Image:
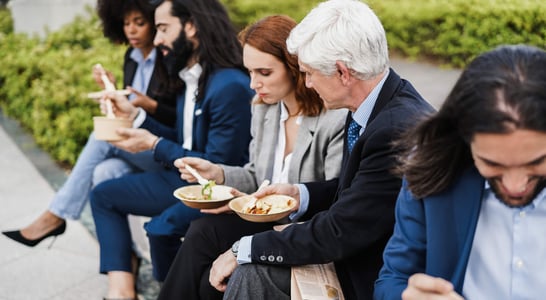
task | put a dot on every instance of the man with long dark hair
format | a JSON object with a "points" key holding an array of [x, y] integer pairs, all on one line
{"points": [[213, 122], [470, 219]]}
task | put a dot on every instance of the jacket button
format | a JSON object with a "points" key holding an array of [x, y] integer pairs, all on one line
{"points": [[279, 259], [263, 258], [271, 258]]}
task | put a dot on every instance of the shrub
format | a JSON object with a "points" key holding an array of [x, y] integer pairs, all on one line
{"points": [[44, 83], [455, 31], [244, 12], [6, 22]]}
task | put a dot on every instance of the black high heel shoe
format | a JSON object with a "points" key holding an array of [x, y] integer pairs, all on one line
{"points": [[18, 237]]}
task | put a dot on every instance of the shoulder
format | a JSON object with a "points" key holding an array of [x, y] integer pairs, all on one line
{"points": [[405, 108], [228, 76], [228, 84], [262, 109], [333, 117], [408, 99], [128, 52]]}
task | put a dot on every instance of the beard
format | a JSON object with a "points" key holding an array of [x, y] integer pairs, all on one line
{"points": [[520, 202], [178, 56]]}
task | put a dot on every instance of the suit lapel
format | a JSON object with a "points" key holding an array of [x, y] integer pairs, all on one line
{"points": [[180, 100], [269, 143], [460, 207], [306, 132], [129, 69], [154, 85], [468, 196], [390, 88]]}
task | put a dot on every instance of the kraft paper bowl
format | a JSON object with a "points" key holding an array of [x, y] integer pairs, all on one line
{"points": [[105, 128], [238, 205], [189, 195]]}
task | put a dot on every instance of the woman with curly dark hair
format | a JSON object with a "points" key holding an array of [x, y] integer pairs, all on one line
{"points": [[128, 22]]}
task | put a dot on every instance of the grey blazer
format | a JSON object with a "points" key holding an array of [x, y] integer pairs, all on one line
{"points": [[316, 156]]}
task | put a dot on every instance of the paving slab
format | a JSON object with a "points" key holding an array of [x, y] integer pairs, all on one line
{"points": [[69, 267]]}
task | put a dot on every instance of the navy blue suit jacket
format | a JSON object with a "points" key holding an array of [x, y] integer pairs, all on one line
{"points": [[351, 218], [432, 235], [221, 123]]}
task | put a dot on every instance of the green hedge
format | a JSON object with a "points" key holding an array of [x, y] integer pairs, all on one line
{"points": [[455, 31], [243, 12], [6, 22], [43, 83]]}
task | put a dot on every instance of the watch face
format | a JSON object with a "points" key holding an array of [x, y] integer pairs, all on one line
{"points": [[235, 248]]}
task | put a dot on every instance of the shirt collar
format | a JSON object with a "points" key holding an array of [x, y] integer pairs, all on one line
{"points": [[191, 75], [136, 55], [362, 114]]}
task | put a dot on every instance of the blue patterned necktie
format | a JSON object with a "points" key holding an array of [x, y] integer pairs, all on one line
{"points": [[352, 134]]}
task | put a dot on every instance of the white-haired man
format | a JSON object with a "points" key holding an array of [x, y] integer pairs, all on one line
{"points": [[342, 48]]}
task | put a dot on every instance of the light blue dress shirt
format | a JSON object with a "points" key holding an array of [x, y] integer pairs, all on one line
{"points": [[361, 116], [508, 255], [145, 68]]}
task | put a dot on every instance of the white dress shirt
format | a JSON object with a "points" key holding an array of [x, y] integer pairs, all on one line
{"points": [[191, 78]]}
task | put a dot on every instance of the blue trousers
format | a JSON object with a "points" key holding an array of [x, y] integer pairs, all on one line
{"points": [[145, 194]]}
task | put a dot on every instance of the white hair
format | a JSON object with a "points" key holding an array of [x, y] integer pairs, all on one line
{"points": [[341, 30]]}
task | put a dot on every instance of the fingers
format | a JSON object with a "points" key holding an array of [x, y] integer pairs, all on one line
{"points": [[216, 211], [136, 139], [431, 284], [221, 269], [133, 91], [126, 132], [281, 227], [422, 286], [281, 189], [203, 166], [237, 193], [98, 71]]}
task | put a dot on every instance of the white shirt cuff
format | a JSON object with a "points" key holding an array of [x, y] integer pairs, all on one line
{"points": [[244, 252], [141, 116]]}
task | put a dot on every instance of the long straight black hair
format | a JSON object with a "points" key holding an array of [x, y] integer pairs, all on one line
{"points": [[500, 91], [218, 43]]}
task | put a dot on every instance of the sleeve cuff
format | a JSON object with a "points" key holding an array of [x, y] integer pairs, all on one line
{"points": [[304, 203], [244, 255], [141, 116]]}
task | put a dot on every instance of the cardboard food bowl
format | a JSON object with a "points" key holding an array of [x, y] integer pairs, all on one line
{"points": [[190, 195], [238, 205], [105, 128]]}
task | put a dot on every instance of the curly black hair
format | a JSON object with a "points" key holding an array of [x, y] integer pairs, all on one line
{"points": [[112, 12]]}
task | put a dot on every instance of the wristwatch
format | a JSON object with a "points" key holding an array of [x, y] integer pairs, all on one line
{"points": [[235, 248]]}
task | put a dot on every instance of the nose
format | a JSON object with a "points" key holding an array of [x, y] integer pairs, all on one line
{"points": [[131, 28], [254, 82], [157, 40], [515, 181]]}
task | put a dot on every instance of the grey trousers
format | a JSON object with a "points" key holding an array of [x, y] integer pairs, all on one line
{"points": [[253, 281]]}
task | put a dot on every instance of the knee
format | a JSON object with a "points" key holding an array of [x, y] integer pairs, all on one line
{"points": [[98, 196], [198, 228], [109, 169]]}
